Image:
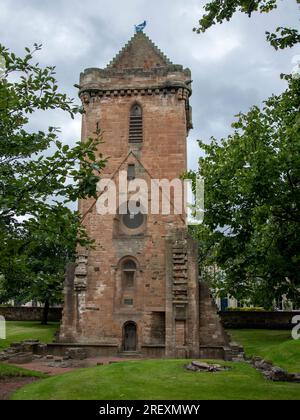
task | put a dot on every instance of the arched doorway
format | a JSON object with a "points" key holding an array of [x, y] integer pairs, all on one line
{"points": [[129, 336]]}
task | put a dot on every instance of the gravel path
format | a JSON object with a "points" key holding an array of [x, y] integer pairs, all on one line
{"points": [[10, 385]]}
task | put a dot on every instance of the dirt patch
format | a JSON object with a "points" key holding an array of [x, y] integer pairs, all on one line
{"points": [[10, 385], [54, 367], [50, 367], [45, 368]]}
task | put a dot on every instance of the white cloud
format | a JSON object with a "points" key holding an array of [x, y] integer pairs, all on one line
{"points": [[232, 65], [216, 48], [71, 130]]}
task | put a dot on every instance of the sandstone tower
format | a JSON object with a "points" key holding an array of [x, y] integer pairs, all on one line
{"points": [[138, 290]]}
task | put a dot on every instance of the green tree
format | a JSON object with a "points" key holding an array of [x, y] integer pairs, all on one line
{"points": [[218, 11], [36, 256], [249, 236], [39, 178], [251, 226]]}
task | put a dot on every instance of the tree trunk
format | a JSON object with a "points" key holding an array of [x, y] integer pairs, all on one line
{"points": [[45, 313]]}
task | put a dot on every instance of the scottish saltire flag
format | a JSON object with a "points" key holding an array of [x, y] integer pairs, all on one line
{"points": [[140, 27]]}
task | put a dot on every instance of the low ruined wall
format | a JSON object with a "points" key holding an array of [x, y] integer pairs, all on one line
{"points": [[268, 320], [92, 350], [153, 352], [230, 319], [24, 313]]}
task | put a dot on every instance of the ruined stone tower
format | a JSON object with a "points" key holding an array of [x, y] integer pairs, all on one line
{"points": [[138, 290]]}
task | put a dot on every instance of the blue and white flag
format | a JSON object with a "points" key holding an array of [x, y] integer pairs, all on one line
{"points": [[140, 27]]}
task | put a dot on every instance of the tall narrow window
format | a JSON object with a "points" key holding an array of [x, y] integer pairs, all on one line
{"points": [[136, 124], [129, 269], [130, 172], [128, 282]]}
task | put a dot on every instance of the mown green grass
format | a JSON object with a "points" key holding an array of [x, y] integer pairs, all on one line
{"points": [[9, 371], [273, 345], [24, 330], [157, 379], [162, 379]]}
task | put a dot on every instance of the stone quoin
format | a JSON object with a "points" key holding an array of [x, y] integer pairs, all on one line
{"points": [[138, 291]]}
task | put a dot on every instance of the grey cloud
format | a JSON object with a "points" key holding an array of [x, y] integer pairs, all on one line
{"points": [[232, 65]]}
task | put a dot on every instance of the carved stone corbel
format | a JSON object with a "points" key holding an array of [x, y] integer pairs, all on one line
{"points": [[85, 98], [80, 280]]}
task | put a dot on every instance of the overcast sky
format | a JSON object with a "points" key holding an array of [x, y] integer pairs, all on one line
{"points": [[233, 67]]}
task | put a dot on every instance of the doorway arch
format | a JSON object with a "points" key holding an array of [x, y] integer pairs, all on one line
{"points": [[130, 336]]}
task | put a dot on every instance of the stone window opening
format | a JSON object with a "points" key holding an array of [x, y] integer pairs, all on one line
{"points": [[128, 280], [130, 221], [131, 172], [129, 265], [133, 220], [128, 274], [128, 302], [136, 124]]}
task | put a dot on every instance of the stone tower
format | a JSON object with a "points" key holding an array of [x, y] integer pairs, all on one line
{"points": [[138, 289]]}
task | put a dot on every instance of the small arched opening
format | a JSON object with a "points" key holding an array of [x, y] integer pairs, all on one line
{"points": [[130, 336]]}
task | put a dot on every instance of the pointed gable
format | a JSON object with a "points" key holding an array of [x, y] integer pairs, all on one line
{"points": [[140, 52]]}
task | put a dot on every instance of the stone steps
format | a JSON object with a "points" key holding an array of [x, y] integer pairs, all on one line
{"points": [[130, 354]]}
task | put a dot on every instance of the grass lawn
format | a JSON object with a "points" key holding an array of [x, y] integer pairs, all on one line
{"points": [[9, 371], [18, 331], [22, 330], [157, 379], [162, 379], [274, 345]]}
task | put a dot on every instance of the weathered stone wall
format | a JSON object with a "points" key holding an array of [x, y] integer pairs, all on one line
{"points": [[268, 320], [160, 311], [96, 313], [69, 308], [161, 155], [211, 329], [24, 313], [182, 302]]}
